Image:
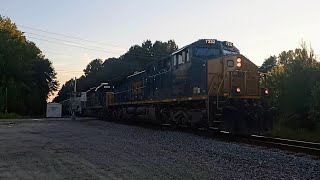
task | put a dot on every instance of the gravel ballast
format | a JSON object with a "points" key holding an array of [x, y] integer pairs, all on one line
{"points": [[92, 149]]}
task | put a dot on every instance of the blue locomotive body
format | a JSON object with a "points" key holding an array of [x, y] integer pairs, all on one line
{"points": [[207, 83], [182, 74]]}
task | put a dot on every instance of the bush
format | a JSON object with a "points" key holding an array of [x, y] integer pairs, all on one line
{"points": [[284, 131], [314, 111], [9, 116]]}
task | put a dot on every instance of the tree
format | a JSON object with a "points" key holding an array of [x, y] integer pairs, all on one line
{"points": [[93, 67], [314, 111], [268, 64], [24, 71], [135, 59], [292, 81], [65, 91]]}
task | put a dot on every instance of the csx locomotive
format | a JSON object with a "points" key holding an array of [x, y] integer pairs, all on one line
{"points": [[206, 84]]}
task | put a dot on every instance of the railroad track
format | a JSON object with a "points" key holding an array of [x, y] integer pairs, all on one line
{"points": [[290, 145], [296, 146], [285, 144]]}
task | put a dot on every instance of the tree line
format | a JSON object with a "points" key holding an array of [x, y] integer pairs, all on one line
{"points": [[27, 77], [135, 59], [293, 78]]}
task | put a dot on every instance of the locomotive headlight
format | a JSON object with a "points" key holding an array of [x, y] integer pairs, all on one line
{"points": [[238, 90], [239, 62]]}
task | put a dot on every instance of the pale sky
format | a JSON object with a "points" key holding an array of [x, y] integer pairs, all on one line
{"points": [[257, 28]]}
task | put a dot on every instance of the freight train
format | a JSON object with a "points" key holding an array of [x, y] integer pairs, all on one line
{"points": [[206, 84]]}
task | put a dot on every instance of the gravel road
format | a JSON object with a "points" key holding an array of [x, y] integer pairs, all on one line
{"points": [[92, 149]]}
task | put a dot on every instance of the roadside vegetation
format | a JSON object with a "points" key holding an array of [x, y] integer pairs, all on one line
{"points": [[303, 134], [294, 81], [9, 116], [27, 77]]}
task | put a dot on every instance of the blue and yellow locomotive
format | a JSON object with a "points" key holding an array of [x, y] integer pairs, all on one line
{"points": [[205, 84]]}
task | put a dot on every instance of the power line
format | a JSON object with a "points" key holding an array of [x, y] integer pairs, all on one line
{"points": [[141, 51], [56, 53], [133, 55], [145, 53], [128, 55], [138, 50], [68, 71], [64, 40], [121, 62], [72, 45], [68, 36], [74, 38]]}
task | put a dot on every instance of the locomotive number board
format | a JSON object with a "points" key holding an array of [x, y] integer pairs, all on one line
{"points": [[210, 41]]}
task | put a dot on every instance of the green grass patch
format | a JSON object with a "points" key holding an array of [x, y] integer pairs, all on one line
{"points": [[286, 132], [9, 116]]}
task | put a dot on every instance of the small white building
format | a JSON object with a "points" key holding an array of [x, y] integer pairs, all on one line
{"points": [[54, 110]]}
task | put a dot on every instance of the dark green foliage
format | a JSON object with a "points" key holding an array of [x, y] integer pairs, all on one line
{"points": [[294, 81], [112, 69], [65, 91], [93, 67], [9, 116], [314, 106], [268, 64], [24, 71]]}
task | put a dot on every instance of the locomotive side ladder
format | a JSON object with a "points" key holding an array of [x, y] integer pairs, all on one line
{"points": [[218, 114], [215, 123]]}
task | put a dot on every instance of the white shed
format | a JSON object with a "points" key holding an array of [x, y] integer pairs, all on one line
{"points": [[54, 110]]}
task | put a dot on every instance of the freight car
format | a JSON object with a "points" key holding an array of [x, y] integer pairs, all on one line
{"points": [[205, 84]]}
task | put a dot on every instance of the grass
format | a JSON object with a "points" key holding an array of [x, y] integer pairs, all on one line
{"points": [[283, 131], [9, 116]]}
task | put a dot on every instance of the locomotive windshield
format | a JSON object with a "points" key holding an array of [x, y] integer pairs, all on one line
{"points": [[211, 48], [228, 48], [202, 52], [206, 48]]}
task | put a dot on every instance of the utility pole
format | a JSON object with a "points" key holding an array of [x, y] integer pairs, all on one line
{"points": [[6, 108], [73, 106]]}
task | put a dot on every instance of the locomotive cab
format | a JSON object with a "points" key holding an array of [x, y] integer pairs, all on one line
{"points": [[233, 76], [233, 88]]}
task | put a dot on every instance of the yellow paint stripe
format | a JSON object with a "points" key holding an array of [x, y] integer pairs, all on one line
{"points": [[192, 98], [245, 97]]}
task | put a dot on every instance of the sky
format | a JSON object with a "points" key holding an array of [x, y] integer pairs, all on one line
{"points": [[108, 28]]}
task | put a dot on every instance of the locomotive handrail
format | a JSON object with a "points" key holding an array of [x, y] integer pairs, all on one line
{"points": [[129, 90], [160, 73], [224, 74], [211, 83]]}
